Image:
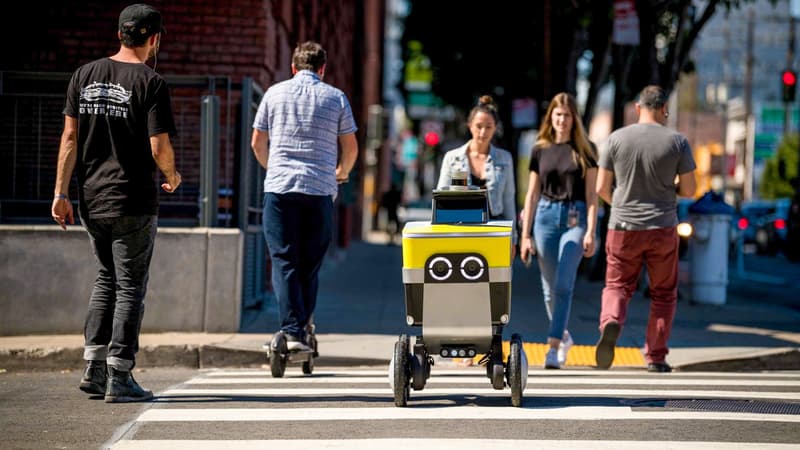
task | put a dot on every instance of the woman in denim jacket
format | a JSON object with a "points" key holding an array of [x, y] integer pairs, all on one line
{"points": [[487, 166], [561, 213]]}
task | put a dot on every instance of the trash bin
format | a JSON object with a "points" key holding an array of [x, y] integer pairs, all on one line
{"points": [[708, 248]]}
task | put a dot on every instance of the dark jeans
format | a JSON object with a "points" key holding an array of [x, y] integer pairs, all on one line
{"points": [[297, 228], [123, 247]]}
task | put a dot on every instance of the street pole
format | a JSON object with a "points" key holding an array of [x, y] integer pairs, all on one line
{"points": [[787, 107], [747, 189]]}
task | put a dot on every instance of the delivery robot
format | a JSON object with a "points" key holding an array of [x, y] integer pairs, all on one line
{"points": [[457, 281]]}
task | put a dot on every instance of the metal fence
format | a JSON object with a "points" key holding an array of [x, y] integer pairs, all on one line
{"points": [[221, 179]]}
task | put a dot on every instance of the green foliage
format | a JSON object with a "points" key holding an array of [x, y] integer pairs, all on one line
{"points": [[773, 185]]}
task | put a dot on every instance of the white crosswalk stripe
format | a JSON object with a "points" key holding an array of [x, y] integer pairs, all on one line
{"points": [[335, 402], [461, 444], [267, 380]]}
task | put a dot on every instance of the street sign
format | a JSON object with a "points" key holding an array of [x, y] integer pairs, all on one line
{"points": [[626, 23], [769, 129], [418, 71]]}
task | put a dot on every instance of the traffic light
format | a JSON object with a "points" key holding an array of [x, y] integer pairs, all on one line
{"points": [[431, 138], [789, 81]]}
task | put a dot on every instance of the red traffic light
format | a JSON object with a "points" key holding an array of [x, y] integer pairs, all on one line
{"points": [[431, 138], [789, 78]]}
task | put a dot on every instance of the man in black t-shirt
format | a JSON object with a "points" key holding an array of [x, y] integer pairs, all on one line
{"points": [[117, 122]]}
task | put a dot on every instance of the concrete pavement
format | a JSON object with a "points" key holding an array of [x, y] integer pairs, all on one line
{"points": [[361, 312]]}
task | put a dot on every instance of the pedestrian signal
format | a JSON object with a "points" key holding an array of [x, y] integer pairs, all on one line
{"points": [[789, 80]]}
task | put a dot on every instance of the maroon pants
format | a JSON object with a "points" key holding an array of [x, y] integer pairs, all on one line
{"points": [[626, 252]]}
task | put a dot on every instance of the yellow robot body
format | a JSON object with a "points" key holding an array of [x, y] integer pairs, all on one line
{"points": [[457, 280]]}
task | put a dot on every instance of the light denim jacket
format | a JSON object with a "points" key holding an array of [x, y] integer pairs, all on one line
{"points": [[499, 180]]}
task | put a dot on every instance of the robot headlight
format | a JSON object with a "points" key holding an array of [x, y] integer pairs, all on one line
{"points": [[440, 268], [472, 268]]}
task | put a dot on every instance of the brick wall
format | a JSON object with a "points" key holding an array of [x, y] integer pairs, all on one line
{"points": [[234, 39], [237, 38]]}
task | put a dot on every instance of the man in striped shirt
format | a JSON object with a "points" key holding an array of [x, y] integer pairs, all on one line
{"points": [[295, 134]]}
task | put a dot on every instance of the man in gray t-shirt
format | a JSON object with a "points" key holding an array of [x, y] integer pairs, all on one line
{"points": [[644, 159]]}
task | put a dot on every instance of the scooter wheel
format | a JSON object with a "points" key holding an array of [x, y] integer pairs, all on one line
{"points": [[515, 368], [400, 371], [278, 355], [308, 366]]}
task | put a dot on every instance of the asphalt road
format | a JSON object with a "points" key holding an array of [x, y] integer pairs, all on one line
{"points": [[353, 407], [47, 410]]}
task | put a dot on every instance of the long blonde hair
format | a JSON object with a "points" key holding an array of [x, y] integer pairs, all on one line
{"points": [[547, 135]]}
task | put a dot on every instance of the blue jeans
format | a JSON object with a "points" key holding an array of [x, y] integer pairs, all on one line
{"points": [[559, 249], [298, 229], [123, 247]]}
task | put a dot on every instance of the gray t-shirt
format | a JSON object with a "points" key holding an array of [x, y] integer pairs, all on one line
{"points": [[645, 159]]}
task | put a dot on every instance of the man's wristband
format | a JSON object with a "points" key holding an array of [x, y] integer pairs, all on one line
{"points": [[61, 197]]}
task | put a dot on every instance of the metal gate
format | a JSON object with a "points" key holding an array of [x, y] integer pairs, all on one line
{"points": [[221, 178], [256, 286]]}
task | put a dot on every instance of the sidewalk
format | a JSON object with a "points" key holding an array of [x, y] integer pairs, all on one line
{"points": [[360, 313]]}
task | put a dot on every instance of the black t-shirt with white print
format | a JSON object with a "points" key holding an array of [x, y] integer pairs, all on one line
{"points": [[119, 106]]}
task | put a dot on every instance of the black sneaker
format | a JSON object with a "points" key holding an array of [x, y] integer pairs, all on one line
{"points": [[122, 388], [659, 367], [604, 353], [94, 378]]}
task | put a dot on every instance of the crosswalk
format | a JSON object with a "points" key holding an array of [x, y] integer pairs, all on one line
{"points": [[583, 408]]}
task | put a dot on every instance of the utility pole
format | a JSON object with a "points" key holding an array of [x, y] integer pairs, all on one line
{"points": [[787, 107], [747, 189]]}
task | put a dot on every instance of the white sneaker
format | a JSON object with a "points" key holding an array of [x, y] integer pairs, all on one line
{"points": [[293, 344], [563, 348], [551, 359]]}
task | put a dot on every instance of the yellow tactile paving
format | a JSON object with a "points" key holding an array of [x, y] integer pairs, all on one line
{"points": [[579, 355]]}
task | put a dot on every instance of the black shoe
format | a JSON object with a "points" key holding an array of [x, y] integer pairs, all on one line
{"points": [[94, 378], [122, 388], [660, 367], [604, 353]]}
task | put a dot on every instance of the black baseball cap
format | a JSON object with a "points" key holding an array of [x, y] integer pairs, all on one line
{"points": [[140, 20]]}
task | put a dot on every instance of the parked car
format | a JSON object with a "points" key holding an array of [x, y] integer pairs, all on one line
{"points": [[771, 229], [751, 214]]}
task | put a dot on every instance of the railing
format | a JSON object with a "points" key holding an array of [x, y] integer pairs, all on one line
{"points": [[221, 179]]}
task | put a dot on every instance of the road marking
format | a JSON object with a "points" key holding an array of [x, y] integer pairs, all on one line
{"points": [[328, 392], [447, 413], [461, 444], [650, 381], [480, 370]]}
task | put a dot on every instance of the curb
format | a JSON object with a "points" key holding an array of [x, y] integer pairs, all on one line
{"points": [[214, 356], [189, 356], [781, 359]]}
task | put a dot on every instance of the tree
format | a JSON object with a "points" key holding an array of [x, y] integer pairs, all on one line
{"points": [[513, 49], [781, 170]]}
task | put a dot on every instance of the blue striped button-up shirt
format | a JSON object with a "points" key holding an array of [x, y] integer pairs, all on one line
{"points": [[304, 118]]}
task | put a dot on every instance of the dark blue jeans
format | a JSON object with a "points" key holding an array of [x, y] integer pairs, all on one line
{"points": [[123, 247], [298, 229]]}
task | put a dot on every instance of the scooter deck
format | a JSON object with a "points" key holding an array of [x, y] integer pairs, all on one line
{"points": [[295, 355]]}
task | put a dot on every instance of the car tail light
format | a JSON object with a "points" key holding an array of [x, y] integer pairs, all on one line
{"points": [[780, 224], [743, 223]]}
